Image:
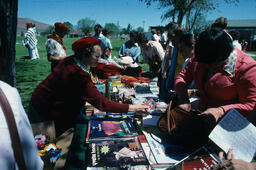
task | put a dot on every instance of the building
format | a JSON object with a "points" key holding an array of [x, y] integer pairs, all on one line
{"points": [[76, 34], [247, 30]]}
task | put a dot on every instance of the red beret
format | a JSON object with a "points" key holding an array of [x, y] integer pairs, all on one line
{"points": [[85, 42], [60, 27], [29, 25]]}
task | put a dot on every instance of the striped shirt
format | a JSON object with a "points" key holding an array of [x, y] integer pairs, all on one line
{"points": [[30, 38]]}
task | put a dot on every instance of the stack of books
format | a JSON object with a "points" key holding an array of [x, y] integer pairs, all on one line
{"points": [[118, 143]]}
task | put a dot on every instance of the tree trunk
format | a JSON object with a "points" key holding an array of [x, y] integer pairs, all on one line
{"points": [[8, 18], [180, 17], [187, 19]]}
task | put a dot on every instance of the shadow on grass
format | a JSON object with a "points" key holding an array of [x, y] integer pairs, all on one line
{"points": [[25, 57]]}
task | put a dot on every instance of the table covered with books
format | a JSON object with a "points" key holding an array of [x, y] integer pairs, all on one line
{"points": [[122, 140], [129, 141]]}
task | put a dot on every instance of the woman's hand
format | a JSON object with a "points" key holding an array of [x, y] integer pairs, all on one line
{"points": [[164, 75], [217, 112], [186, 106], [138, 108]]}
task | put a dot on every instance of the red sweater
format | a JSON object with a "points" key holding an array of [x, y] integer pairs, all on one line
{"points": [[222, 90], [62, 95]]}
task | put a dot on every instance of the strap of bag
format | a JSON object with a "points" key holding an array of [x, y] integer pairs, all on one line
{"points": [[16, 145], [168, 117]]}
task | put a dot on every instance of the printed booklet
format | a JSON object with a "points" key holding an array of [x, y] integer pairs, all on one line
{"points": [[123, 153], [104, 129]]}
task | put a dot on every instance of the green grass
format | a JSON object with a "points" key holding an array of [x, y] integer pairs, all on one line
{"points": [[29, 73]]}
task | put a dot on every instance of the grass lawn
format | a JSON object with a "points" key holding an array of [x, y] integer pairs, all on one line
{"points": [[29, 73]]}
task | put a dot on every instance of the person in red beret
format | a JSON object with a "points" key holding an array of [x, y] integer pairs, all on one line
{"points": [[62, 95], [54, 45]]}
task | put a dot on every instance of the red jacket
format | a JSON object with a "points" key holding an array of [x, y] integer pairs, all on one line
{"points": [[222, 89], [64, 92]]}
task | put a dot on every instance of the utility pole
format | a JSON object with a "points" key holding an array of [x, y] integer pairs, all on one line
{"points": [[143, 22]]}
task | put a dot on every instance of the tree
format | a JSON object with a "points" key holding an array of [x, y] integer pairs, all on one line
{"points": [[200, 24], [127, 30], [177, 9], [112, 28], [140, 29], [86, 25], [8, 18], [69, 25], [48, 31]]}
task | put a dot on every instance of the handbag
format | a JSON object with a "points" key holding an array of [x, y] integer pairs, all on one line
{"points": [[190, 129], [16, 145], [174, 118]]}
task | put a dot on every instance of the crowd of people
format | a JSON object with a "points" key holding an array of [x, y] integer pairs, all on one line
{"points": [[213, 62]]}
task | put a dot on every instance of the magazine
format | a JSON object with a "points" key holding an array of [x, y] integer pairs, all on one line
{"points": [[122, 153], [236, 132], [200, 159], [165, 152], [103, 129]]}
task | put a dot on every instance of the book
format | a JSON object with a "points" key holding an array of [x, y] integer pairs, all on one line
{"points": [[147, 150], [122, 153], [164, 151], [200, 159], [236, 132], [104, 129], [150, 120], [143, 90]]}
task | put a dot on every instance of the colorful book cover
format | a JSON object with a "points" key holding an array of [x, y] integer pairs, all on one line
{"points": [[111, 129], [200, 159], [118, 153]]}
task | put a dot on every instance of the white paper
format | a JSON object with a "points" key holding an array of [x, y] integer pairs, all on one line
{"points": [[236, 132]]}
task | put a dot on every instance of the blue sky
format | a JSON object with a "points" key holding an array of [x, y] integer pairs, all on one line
{"points": [[118, 11]]}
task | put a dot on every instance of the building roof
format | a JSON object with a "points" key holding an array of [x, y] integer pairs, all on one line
{"points": [[246, 23], [76, 32]]}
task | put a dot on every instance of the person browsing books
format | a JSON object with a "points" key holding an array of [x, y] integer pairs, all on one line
{"points": [[224, 76], [62, 95]]}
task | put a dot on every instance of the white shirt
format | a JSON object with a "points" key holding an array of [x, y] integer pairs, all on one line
{"points": [[236, 44], [31, 156], [54, 48], [155, 37], [163, 37], [155, 48]]}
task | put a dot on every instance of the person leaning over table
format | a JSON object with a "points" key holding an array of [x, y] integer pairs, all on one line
{"points": [[152, 52], [62, 95], [224, 76], [54, 45]]}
